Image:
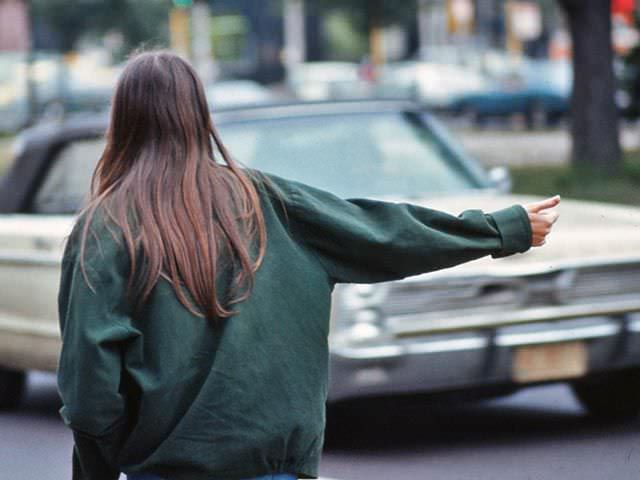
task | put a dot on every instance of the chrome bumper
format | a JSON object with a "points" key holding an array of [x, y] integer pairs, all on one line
{"points": [[478, 358]]}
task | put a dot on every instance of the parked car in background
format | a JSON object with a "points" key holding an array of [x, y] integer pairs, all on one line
{"points": [[481, 84], [539, 90], [492, 62], [60, 86], [228, 93], [327, 81], [437, 85], [567, 312]]}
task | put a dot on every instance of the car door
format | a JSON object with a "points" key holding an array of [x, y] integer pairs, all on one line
{"points": [[31, 246]]}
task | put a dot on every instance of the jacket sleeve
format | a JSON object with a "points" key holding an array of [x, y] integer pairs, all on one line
{"points": [[95, 329], [365, 241]]}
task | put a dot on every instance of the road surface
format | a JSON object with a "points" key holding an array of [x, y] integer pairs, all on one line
{"points": [[537, 434]]}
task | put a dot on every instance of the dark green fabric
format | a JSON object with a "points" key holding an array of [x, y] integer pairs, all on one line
{"points": [[165, 392]]}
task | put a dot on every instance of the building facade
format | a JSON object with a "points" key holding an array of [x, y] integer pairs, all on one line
{"points": [[14, 26]]}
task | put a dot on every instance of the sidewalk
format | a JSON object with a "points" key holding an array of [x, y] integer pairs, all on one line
{"points": [[519, 148]]}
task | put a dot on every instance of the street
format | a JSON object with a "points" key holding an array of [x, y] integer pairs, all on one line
{"points": [[537, 434]]}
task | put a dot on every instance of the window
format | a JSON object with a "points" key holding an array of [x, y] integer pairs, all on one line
{"points": [[352, 155], [67, 181]]}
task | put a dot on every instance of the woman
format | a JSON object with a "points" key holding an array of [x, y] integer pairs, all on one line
{"points": [[194, 296]]}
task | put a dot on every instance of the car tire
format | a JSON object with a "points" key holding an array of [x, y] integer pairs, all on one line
{"points": [[537, 116], [472, 116], [554, 119], [13, 385], [613, 396]]}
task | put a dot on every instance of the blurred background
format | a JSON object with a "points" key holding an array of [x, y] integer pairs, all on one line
{"points": [[528, 97], [503, 67]]}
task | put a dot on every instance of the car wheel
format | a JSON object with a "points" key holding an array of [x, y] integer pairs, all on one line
{"points": [[614, 395], [537, 116], [12, 388], [472, 116], [554, 119]]}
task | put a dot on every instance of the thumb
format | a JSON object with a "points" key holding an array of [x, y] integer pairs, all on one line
{"points": [[535, 207], [551, 216]]}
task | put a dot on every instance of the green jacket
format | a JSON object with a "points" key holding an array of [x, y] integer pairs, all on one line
{"points": [[167, 393]]}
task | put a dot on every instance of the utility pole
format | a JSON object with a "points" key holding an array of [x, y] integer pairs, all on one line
{"points": [[423, 24], [179, 27], [376, 33], [201, 50], [432, 23], [486, 11], [514, 44], [295, 45]]}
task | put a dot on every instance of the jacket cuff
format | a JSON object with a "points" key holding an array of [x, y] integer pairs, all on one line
{"points": [[94, 456], [515, 230]]}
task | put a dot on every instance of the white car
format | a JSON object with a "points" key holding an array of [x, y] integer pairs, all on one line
{"points": [[435, 84], [567, 312], [234, 93], [326, 81]]}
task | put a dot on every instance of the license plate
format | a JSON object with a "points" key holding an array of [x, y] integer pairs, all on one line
{"points": [[535, 363]]}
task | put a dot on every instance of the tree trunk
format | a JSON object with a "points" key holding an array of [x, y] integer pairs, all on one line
{"points": [[594, 115], [295, 39]]}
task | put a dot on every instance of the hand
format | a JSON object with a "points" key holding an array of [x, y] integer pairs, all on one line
{"points": [[542, 216]]}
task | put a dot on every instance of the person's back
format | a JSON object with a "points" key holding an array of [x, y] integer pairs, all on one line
{"points": [[150, 386]]}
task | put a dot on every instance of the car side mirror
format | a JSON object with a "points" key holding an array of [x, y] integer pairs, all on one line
{"points": [[500, 178]]}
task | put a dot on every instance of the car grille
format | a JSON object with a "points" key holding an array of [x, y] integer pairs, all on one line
{"points": [[603, 284], [479, 295], [571, 286]]}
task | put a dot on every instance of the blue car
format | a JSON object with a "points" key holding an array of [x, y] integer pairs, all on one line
{"points": [[539, 90]]}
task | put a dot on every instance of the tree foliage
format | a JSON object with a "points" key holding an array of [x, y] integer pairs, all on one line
{"points": [[137, 20], [373, 13]]}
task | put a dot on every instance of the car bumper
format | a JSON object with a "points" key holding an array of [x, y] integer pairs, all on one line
{"points": [[481, 358]]}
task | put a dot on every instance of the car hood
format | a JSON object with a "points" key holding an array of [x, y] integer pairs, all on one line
{"points": [[586, 232]]}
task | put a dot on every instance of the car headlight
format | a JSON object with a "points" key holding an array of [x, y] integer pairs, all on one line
{"points": [[357, 314], [370, 314], [356, 296]]}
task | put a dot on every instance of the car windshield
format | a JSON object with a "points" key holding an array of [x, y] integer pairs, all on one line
{"points": [[353, 155], [377, 155]]}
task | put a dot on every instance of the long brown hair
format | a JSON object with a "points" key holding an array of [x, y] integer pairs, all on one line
{"points": [[158, 176]]}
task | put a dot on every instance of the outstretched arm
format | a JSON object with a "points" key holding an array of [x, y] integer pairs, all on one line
{"points": [[366, 241]]}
